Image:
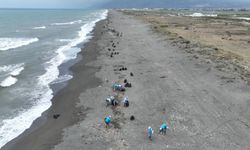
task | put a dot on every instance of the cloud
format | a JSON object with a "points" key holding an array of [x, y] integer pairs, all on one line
{"points": [[122, 3], [51, 3]]}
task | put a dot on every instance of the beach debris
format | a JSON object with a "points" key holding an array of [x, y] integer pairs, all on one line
{"points": [[118, 87], [131, 74], [123, 69], [196, 57], [112, 30], [113, 45], [125, 80], [162, 77], [56, 116], [216, 49], [128, 85], [132, 118]]}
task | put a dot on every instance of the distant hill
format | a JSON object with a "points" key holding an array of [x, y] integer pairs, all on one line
{"points": [[177, 4]]}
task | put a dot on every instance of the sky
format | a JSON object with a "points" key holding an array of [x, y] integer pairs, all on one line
{"points": [[122, 3]]}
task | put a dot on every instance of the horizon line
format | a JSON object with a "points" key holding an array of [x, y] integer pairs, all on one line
{"points": [[248, 8]]}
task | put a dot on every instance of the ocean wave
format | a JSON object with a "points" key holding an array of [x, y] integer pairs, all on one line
{"points": [[67, 23], [37, 28], [52, 71], [11, 68], [12, 127], [17, 71], [9, 81], [12, 43], [61, 79], [202, 15], [243, 18], [43, 94], [12, 71], [64, 40]]}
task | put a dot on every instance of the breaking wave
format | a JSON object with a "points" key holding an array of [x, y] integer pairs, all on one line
{"points": [[12, 43]]}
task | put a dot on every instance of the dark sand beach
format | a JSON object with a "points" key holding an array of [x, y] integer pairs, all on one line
{"points": [[202, 108]]}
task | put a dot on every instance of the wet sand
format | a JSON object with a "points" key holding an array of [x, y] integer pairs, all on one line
{"points": [[204, 107]]}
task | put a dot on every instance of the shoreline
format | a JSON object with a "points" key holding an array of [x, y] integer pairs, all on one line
{"points": [[46, 124], [201, 108]]}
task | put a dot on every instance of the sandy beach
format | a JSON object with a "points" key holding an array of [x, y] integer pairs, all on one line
{"points": [[204, 107]]}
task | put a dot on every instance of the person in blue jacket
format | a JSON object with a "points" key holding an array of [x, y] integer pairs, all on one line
{"points": [[150, 132], [163, 128], [107, 120]]}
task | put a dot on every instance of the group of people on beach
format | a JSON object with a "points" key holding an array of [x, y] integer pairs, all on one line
{"points": [[111, 101], [114, 102], [120, 88], [162, 130]]}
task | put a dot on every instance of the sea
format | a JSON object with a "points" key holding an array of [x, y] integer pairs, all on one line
{"points": [[33, 44]]}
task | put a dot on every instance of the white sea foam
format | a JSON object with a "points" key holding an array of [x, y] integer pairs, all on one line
{"points": [[17, 71], [203, 15], [64, 40], [12, 127], [67, 23], [8, 81], [11, 43], [37, 28], [63, 78], [171, 15], [11, 71], [244, 18], [10, 68], [52, 71]]}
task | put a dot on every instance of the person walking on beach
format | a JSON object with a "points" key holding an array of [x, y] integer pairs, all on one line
{"points": [[107, 121], [150, 132], [163, 129]]}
